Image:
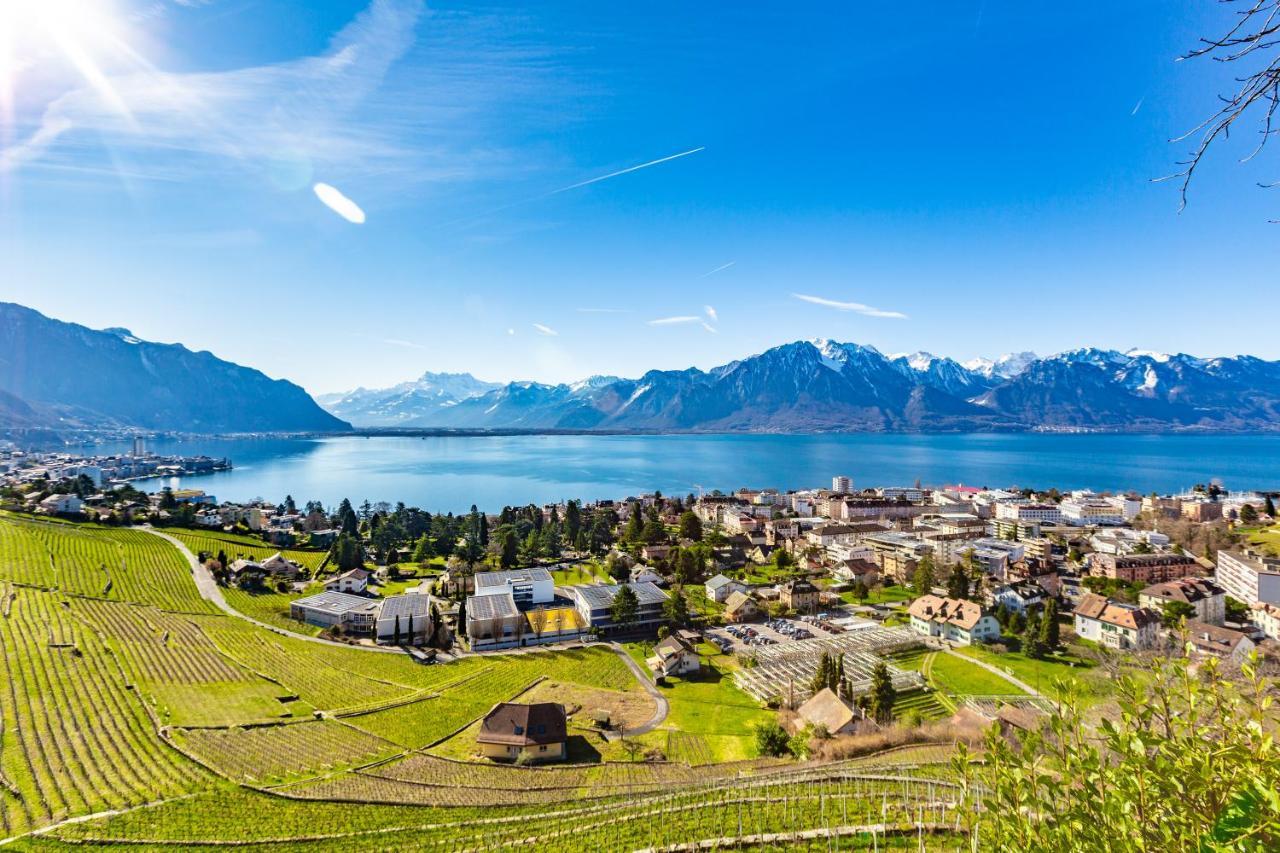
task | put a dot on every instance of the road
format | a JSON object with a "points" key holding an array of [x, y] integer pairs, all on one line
{"points": [[664, 707], [210, 591]]}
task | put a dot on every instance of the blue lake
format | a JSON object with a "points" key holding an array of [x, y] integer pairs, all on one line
{"points": [[451, 473]]}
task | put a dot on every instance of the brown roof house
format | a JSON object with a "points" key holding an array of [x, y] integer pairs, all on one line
{"points": [[674, 656], [740, 607], [800, 595], [524, 733], [954, 619], [827, 710], [1119, 626]]}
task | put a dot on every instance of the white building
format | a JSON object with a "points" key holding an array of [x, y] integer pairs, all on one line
{"points": [[1267, 618], [719, 588], [895, 493], [953, 619], [1249, 579], [527, 586], [355, 581], [841, 485], [404, 619], [1023, 510], [1116, 625], [1207, 599], [1088, 511], [1124, 540]]}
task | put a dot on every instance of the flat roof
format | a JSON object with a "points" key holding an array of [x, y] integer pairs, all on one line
{"points": [[492, 606], [497, 579], [598, 596], [405, 605], [336, 602]]}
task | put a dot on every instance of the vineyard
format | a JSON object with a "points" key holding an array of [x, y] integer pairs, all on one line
{"points": [[237, 546], [126, 696]]}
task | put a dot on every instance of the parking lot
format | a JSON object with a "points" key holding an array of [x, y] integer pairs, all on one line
{"points": [[768, 633]]}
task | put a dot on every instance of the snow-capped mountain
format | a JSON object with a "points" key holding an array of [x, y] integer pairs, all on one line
{"points": [[1006, 366], [834, 386], [408, 404]]}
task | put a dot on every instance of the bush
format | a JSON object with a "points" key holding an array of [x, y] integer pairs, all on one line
{"points": [[772, 739]]}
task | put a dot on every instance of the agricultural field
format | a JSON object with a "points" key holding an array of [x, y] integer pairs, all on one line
{"points": [[272, 608], [238, 546], [170, 724]]}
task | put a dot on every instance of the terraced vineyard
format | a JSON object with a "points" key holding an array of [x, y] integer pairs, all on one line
{"points": [[238, 546], [125, 695]]}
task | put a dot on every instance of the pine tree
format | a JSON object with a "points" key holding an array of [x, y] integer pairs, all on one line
{"points": [[922, 581], [1270, 507], [1031, 644], [396, 639], [958, 583], [883, 695], [1052, 633]]}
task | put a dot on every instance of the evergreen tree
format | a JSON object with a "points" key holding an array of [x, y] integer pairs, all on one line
{"points": [[625, 607], [462, 616], [1032, 646], [958, 583], [635, 525], [922, 581], [572, 521], [508, 556], [676, 607], [690, 526], [396, 639], [883, 695], [1270, 507], [1052, 633], [1248, 515]]}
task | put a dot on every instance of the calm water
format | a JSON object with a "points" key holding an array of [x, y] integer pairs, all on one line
{"points": [[451, 473]]}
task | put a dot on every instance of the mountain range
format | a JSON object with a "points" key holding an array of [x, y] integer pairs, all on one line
{"points": [[56, 375], [63, 375], [824, 385]]}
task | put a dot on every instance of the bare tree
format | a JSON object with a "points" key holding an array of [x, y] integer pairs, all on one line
{"points": [[1251, 42]]}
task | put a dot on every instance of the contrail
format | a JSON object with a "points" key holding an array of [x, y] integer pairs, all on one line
{"points": [[587, 182], [629, 169], [720, 268]]}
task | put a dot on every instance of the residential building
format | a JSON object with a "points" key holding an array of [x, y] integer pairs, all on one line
{"points": [[841, 485], [836, 533], [61, 504], [1249, 578], [527, 733], [674, 656], [1015, 529], [404, 620], [1144, 568], [1116, 625], [800, 595], [953, 619], [354, 581], [901, 493], [527, 586], [1026, 511], [1202, 511], [350, 613], [1267, 618], [1124, 540], [740, 607], [1091, 511], [595, 602], [494, 622], [1207, 599], [1020, 597], [1220, 642], [720, 588]]}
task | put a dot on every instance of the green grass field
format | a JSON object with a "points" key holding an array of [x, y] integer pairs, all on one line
{"points": [[579, 574], [239, 546], [1041, 674], [1266, 537], [960, 678]]}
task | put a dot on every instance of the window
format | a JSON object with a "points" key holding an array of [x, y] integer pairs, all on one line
{"points": [[542, 748]]}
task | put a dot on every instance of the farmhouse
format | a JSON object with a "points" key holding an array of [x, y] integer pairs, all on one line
{"points": [[336, 610], [404, 620], [515, 732], [952, 619]]}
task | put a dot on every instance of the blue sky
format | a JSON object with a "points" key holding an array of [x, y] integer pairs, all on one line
{"points": [[976, 175]]}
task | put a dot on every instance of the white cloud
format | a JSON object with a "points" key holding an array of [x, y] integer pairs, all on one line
{"points": [[407, 345], [545, 330], [711, 313], [855, 307], [334, 199], [511, 331], [675, 321], [710, 328]]}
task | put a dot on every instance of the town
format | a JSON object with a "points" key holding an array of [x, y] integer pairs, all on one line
{"points": [[842, 609]]}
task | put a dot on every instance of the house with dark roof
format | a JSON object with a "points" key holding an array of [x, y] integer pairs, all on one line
{"points": [[1207, 600], [954, 619], [674, 656], [404, 620], [525, 733], [354, 581], [1217, 641], [594, 603], [800, 595]]}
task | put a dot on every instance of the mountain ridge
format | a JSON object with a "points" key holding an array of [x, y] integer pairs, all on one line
{"points": [[825, 385]]}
